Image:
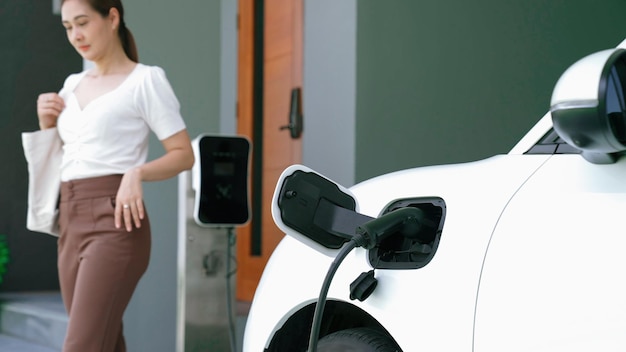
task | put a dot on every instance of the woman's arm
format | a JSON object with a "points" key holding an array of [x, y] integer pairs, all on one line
{"points": [[178, 157], [129, 201]]}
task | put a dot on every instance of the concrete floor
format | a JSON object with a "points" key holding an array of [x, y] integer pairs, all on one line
{"points": [[42, 314]]}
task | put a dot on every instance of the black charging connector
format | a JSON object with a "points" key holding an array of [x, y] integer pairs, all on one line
{"points": [[406, 221]]}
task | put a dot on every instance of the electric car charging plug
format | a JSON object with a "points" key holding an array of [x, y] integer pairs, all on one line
{"points": [[406, 221]]}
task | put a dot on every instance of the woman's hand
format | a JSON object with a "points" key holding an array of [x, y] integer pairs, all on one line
{"points": [[49, 107], [129, 208], [178, 157]]}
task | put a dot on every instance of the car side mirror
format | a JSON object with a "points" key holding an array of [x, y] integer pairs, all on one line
{"points": [[588, 106]]}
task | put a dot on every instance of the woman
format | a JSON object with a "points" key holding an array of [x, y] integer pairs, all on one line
{"points": [[104, 116]]}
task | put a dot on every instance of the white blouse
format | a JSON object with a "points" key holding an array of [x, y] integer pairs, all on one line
{"points": [[110, 134]]}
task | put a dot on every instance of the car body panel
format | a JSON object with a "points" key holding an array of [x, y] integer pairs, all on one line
{"points": [[551, 260], [475, 193]]}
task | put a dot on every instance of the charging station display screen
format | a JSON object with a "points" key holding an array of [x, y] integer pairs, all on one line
{"points": [[223, 195], [224, 169]]}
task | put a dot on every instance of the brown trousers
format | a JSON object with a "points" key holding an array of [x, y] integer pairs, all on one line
{"points": [[99, 265]]}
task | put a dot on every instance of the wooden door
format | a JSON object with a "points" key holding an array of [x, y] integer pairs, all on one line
{"points": [[277, 53]]}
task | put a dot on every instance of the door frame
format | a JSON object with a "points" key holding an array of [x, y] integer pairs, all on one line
{"points": [[259, 83]]}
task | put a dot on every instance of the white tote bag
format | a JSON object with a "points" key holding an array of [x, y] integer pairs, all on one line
{"points": [[43, 152]]}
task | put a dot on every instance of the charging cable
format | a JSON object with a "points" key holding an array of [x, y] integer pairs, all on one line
{"points": [[406, 221]]}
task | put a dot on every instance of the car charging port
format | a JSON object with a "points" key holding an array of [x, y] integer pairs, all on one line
{"points": [[399, 251]]}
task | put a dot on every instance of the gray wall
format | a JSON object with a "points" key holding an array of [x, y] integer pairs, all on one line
{"points": [[184, 39], [228, 67], [442, 81], [329, 91]]}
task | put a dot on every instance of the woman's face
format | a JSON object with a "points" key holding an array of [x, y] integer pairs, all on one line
{"points": [[91, 34]]}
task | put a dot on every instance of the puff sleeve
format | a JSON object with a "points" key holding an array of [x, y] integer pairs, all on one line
{"points": [[158, 104]]}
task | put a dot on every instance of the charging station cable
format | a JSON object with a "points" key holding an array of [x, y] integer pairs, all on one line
{"points": [[406, 221]]}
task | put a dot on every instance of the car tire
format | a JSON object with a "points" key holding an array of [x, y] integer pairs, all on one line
{"points": [[357, 340]]}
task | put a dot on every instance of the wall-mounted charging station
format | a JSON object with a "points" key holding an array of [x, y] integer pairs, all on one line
{"points": [[220, 179], [213, 200]]}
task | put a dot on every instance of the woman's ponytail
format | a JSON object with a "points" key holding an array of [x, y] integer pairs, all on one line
{"points": [[128, 42]]}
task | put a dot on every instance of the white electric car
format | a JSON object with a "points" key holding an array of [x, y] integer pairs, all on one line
{"points": [[518, 252]]}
